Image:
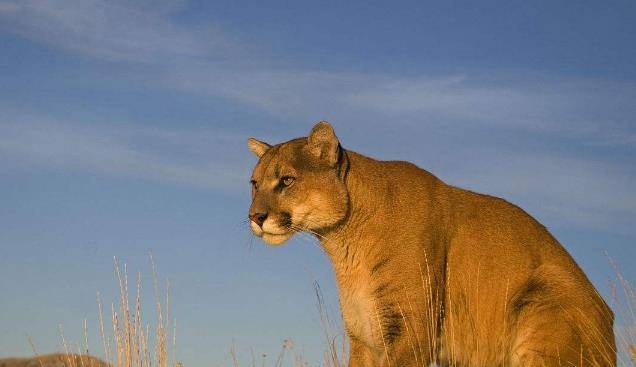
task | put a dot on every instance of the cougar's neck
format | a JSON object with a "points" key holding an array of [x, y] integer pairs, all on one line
{"points": [[366, 186]]}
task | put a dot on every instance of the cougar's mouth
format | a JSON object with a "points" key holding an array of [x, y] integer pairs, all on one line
{"points": [[272, 236]]}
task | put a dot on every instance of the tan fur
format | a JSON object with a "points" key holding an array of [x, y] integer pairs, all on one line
{"points": [[427, 272]]}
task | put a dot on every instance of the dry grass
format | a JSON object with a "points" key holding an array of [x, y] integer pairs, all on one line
{"points": [[133, 343], [624, 306], [336, 348], [287, 348], [128, 341]]}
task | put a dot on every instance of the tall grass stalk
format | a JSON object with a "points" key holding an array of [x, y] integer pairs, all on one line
{"points": [[624, 305], [336, 345], [130, 342], [133, 341]]}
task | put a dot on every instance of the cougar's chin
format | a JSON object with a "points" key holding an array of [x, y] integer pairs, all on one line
{"points": [[276, 239]]}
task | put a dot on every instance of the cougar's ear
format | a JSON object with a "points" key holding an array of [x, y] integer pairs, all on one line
{"points": [[257, 147], [323, 143]]}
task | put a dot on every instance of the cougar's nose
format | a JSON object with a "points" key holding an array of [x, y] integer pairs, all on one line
{"points": [[258, 218]]}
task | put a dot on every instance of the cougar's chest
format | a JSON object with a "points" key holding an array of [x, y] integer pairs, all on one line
{"points": [[359, 311]]}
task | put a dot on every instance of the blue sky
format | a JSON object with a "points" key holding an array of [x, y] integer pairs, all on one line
{"points": [[123, 128]]}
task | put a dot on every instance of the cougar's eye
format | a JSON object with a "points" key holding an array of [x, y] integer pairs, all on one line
{"points": [[287, 180], [254, 185]]}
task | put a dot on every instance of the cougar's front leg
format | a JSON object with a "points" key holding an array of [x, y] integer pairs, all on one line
{"points": [[360, 355], [398, 354]]}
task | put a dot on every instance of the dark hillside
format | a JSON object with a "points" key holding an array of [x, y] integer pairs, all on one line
{"points": [[54, 360]]}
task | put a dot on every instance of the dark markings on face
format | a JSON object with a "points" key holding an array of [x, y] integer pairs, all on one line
{"points": [[285, 220]]}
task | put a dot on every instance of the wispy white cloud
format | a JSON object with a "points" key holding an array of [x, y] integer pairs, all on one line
{"points": [[183, 157], [519, 101], [115, 30], [598, 112]]}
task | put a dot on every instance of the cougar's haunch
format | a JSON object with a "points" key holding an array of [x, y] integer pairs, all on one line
{"points": [[428, 272]]}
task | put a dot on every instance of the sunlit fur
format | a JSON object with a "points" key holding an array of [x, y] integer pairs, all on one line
{"points": [[427, 272]]}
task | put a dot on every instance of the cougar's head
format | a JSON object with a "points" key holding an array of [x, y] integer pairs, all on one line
{"points": [[298, 185]]}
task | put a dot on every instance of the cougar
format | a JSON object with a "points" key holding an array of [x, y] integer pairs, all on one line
{"points": [[429, 273]]}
